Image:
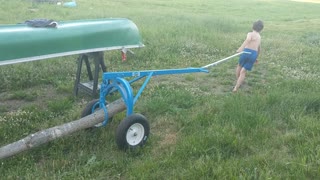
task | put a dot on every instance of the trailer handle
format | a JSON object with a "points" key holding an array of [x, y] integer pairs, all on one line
{"points": [[227, 58]]}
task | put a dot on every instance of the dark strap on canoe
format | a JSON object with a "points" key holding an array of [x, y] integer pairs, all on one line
{"points": [[42, 23]]}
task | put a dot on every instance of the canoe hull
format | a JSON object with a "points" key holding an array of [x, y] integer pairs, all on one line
{"points": [[21, 43]]}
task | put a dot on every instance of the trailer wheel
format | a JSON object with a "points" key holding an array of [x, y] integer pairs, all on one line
{"points": [[132, 132], [89, 109]]}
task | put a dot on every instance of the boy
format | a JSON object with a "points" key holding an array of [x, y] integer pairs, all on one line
{"points": [[252, 45]]}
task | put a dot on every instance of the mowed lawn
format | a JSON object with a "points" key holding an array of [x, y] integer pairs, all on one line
{"points": [[270, 129]]}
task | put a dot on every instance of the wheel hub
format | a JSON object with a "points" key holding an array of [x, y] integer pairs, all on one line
{"points": [[135, 134]]}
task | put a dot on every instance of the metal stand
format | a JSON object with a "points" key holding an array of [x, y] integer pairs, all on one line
{"points": [[92, 86]]}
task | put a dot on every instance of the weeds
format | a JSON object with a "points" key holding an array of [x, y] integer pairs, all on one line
{"points": [[199, 129]]}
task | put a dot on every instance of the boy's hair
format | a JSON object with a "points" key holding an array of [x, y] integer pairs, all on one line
{"points": [[257, 26]]}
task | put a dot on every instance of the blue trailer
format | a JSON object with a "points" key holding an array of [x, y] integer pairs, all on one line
{"points": [[134, 129]]}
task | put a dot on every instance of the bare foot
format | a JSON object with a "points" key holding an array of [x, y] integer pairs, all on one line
{"points": [[234, 89]]}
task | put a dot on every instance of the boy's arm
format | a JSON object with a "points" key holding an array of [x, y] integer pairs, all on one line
{"points": [[245, 42], [259, 50]]}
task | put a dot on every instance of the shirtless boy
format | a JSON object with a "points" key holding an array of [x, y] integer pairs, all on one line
{"points": [[246, 60]]}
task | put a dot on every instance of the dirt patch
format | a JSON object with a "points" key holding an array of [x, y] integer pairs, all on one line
{"points": [[43, 93], [169, 139], [200, 84], [165, 133]]}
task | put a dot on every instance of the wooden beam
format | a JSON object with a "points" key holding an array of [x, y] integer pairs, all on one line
{"points": [[47, 135]]}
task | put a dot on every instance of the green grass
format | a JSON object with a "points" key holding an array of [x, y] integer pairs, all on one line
{"points": [[199, 130]]}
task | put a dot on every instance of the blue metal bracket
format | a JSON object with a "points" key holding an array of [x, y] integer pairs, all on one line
{"points": [[115, 81]]}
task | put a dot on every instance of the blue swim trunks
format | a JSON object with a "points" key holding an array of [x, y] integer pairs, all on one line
{"points": [[247, 60]]}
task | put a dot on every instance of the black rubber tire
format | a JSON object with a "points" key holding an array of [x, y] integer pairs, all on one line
{"points": [[88, 109], [127, 127]]}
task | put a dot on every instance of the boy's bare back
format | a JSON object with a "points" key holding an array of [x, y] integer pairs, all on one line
{"points": [[252, 41], [255, 40]]}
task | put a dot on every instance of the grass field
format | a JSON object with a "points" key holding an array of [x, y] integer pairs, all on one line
{"points": [[270, 129]]}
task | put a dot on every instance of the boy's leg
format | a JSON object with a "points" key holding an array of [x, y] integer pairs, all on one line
{"points": [[240, 80], [238, 69]]}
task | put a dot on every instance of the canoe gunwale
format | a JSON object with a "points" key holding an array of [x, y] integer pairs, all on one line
{"points": [[48, 56]]}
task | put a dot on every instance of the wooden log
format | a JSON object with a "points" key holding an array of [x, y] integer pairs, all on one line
{"points": [[47, 135]]}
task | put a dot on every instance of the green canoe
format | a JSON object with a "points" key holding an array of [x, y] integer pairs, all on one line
{"points": [[21, 43]]}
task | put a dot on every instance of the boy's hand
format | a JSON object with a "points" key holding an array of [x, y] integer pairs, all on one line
{"points": [[256, 62]]}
